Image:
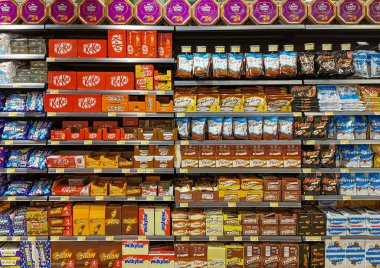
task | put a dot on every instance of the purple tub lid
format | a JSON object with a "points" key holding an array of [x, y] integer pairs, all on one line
{"points": [[33, 11], [293, 11], [8, 11], [91, 11], [264, 11], [119, 11], [62, 11], [206, 12], [351, 11], [177, 12], [373, 11], [322, 11], [235, 11], [148, 11]]}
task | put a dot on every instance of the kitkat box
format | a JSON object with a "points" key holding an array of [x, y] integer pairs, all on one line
{"points": [[88, 48], [149, 12], [62, 80], [91, 80], [120, 80], [91, 11], [9, 12], [62, 11], [264, 11], [177, 12], [33, 11], [63, 48], [117, 43], [87, 103], [119, 11], [58, 103]]}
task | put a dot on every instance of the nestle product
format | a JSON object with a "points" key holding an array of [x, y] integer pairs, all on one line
{"points": [[264, 11], [206, 12], [62, 11], [149, 12], [33, 11], [119, 11], [91, 11], [293, 11], [234, 12], [177, 12], [9, 12]]}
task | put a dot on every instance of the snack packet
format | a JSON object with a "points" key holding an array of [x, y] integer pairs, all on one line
{"points": [[198, 128], [201, 63], [360, 127], [270, 128], [183, 126], [306, 64], [310, 156], [214, 128], [320, 128], [361, 64], [227, 130], [255, 128], [303, 127], [18, 158], [241, 128], [288, 64], [235, 65], [15, 130], [271, 65], [374, 124], [184, 66], [254, 65], [219, 66], [344, 64], [374, 59], [285, 128], [326, 64], [349, 156], [328, 156], [344, 127]]}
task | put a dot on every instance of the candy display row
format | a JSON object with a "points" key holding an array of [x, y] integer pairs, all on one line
{"points": [[25, 130], [120, 44], [284, 64], [21, 187], [17, 102], [241, 188], [21, 45], [182, 12], [23, 158], [20, 72]]}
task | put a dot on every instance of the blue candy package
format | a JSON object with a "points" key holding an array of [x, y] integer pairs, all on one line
{"points": [[40, 188], [214, 128], [374, 183], [202, 62], [241, 128], [198, 128], [227, 128], [18, 158], [344, 127], [361, 64], [37, 159], [366, 155], [2, 101], [15, 130], [374, 58], [3, 156], [44, 252], [288, 63], [374, 127], [360, 127], [18, 188], [331, 133], [270, 128], [2, 125], [183, 126], [219, 65], [235, 65], [271, 65], [255, 128], [15, 103], [347, 184], [285, 128], [362, 183], [349, 156], [39, 130], [35, 102]]}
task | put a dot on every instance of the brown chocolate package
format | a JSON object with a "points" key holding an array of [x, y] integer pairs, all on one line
{"points": [[129, 219], [311, 185], [288, 230], [304, 257], [269, 218], [287, 217], [249, 218], [271, 256], [237, 253], [317, 255], [182, 251], [289, 255], [291, 196], [253, 255], [62, 254], [198, 250], [251, 230], [86, 254], [109, 254], [291, 184], [272, 184], [272, 196], [268, 230], [113, 219]]}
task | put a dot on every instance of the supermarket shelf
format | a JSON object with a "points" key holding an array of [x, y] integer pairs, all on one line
{"points": [[21, 27], [121, 142], [237, 142], [238, 170], [111, 60], [340, 170], [237, 114], [341, 81], [112, 170], [119, 92], [342, 27], [339, 197], [235, 82], [21, 114], [24, 238], [23, 85], [22, 142], [113, 198], [239, 205], [341, 113], [23, 198], [111, 114], [112, 238], [74, 27], [337, 238], [276, 238], [22, 57], [327, 142], [22, 171], [238, 28]]}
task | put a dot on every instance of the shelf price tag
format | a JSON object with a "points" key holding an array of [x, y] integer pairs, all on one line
{"points": [[98, 170], [309, 197], [16, 238], [3, 238], [273, 204], [81, 238], [12, 114], [87, 142], [17, 85], [327, 47], [345, 47], [185, 238], [254, 238], [212, 238], [328, 113], [149, 170], [238, 238], [31, 238], [59, 170], [110, 238], [185, 49], [8, 142], [126, 170], [53, 91], [185, 142], [313, 238], [10, 170], [235, 49], [180, 114], [254, 48], [141, 170], [141, 237], [65, 198], [309, 46], [344, 170], [220, 49], [167, 198], [144, 142], [160, 92], [50, 59], [344, 142], [150, 198], [11, 198], [183, 170], [335, 238], [120, 142], [54, 238], [306, 170], [131, 198], [312, 142], [289, 48], [111, 114], [141, 114], [184, 205], [231, 204], [52, 114], [99, 198], [297, 114], [347, 197], [54, 142], [272, 48], [201, 49]]}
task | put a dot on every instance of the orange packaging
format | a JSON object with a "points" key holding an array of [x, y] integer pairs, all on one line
{"points": [[93, 133], [149, 44], [133, 44], [117, 44], [144, 83], [258, 158], [150, 103], [107, 99], [165, 45], [75, 134], [207, 158], [241, 156], [120, 81], [91, 80], [87, 103], [144, 71], [275, 156], [59, 103], [224, 156], [115, 107], [111, 134], [164, 104], [63, 48], [62, 80], [136, 104], [92, 48]]}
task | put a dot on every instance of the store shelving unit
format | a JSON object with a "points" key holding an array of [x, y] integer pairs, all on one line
{"points": [[23, 198], [110, 114], [23, 142], [22, 57], [111, 60], [239, 205], [237, 170], [22, 171], [82, 198], [236, 114], [113, 238], [23, 85], [236, 82], [275, 238], [244, 28], [111, 170], [119, 92], [340, 197], [24, 238], [21, 114], [341, 81], [236, 142], [101, 143], [79, 27]]}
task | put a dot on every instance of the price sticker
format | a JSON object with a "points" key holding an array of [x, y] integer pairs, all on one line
{"points": [[110, 238], [11, 198], [183, 170], [53, 91], [16, 85], [309, 197], [344, 142], [272, 48], [185, 142], [149, 170], [344, 170], [335, 238], [254, 238], [59, 170], [161, 92], [167, 198], [313, 238], [306, 170], [312, 142], [329, 113], [120, 142], [309, 46], [231, 204], [31, 238], [131, 198], [376, 113], [235, 49], [150, 198], [65, 198], [10, 170], [141, 114], [144, 142], [16, 238], [327, 47], [126, 170], [184, 205], [297, 114], [111, 114], [3, 238], [53, 114], [347, 197], [98, 170], [50, 59], [13, 114], [86, 142], [201, 49], [212, 238], [99, 198], [54, 238], [345, 47], [180, 114], [238, 238], [144, 92], [220, 49], [273, 204], [54, 142], [81, 238], [141, 237], [186, 49], [185, 238], [254, 48], [141, 170], [289, 48]]}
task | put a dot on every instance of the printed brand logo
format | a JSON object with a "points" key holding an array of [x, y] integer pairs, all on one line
{"points": [[61, 80], [119, 7], [134, 245], [109, 256], [62, 7], [85, 255], [119, 80], [177, 8], [32, 7], [5, 8], [131, 260], [205, 8], [61, 255], [86, 103], [159, 260], [59, 102], [148, 7], [90, 80], [63, 48], [117, 43], [92, 48]]}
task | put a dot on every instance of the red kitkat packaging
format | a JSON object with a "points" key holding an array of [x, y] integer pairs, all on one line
{"points": [[63, 48], [92, 48], [133, 44], [149, 44], [91, 80], [120, 81], [165, 45], [91, 103], [62, 80], [58, 103], [117, 44]]}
